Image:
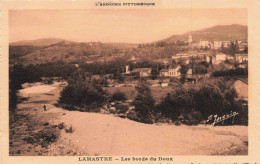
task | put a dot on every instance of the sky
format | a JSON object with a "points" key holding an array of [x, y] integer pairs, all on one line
{"points": [[116, 25]]}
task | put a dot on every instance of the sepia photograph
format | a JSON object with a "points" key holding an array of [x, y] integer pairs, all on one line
{"points": [[130, 82]]}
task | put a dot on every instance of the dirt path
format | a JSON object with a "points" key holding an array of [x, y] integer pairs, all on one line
{"points": [[101, 134]]}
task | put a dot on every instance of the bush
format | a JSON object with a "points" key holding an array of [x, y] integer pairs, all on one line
{"points": [[132, 115], [192, 118], [196, 103], [43, 137], [121, 108], [118, 96], [102, 82], [82, 94], [69, 130], [61, 125], [93, 107]]}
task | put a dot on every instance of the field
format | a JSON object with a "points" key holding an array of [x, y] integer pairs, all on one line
{"points": [[131, 92], [102, 134]]}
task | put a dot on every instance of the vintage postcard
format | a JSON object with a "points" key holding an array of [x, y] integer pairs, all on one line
{"points": [[130, 81]]}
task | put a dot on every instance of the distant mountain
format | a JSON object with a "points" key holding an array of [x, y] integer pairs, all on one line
{"points": [[40, 42], [219, 32]]}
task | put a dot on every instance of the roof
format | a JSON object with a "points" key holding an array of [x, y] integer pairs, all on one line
{"points": [[220, 53], [164, 70], [141, 70], [204, 53], [174, 67]]}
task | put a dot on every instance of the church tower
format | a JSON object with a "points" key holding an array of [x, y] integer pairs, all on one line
{"points": [[190, 33]]}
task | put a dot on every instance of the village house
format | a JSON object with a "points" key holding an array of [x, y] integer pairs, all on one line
{"points": [[208, 59], [164, 84], [205, 44], [133, 59], [182, 56], [189, 72], [242, 46], [171, 71], [243, 65], [163, 61], [203, 55], [230, 57], [213, 44], [219, 44], [220, 57], [142, 72], [225, 43], [191, 54], [241, 57]]}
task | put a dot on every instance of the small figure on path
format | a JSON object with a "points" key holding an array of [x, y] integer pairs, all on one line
{"points": [[44, 107]]}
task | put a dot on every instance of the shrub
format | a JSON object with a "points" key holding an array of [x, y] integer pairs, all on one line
{"points": [[82, 93], [102, 82], [93, 107], [43, 137], [118, 96], [196, 103], [194, 117], [69, 130], [45, 124], [132, 115], [121, 108], [61, 125]]}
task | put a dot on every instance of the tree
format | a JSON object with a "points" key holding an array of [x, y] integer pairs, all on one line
{"points": [[120, 78], [144, 103], [222, 49], [154, 73], [246, 49], [183, 70], [82, 93], [233, 48]]}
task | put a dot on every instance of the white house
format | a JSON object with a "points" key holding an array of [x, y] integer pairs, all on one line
{"points": [[208, 59], [204, 44], [164, 84], [218, 44], [230, 57], [220, 57], [171, 71]]}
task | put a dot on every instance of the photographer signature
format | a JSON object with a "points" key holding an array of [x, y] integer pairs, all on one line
{"points": [[218, 119]]}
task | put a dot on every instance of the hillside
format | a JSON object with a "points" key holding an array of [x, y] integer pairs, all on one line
{"points": [[220, 32], [53, 49]]}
